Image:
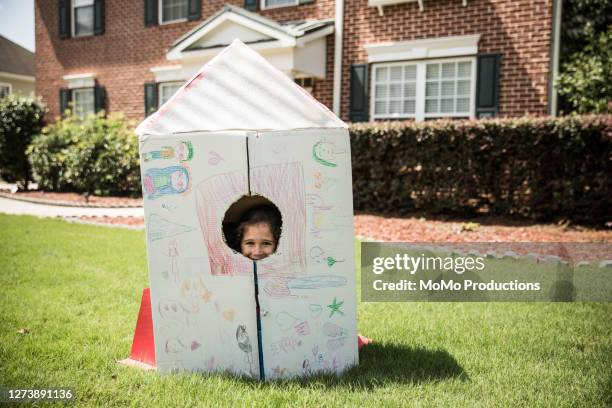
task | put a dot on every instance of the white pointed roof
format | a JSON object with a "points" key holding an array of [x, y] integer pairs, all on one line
{"points": [[239, 89]]}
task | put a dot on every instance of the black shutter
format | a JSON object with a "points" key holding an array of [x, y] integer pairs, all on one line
{"points": [[64, 18], [194, 10], [306, 1], [358, 96], [487, 85], [151, 12], [98, 17], [65, 97], [99, 98], [150, 92], [252, 5]]}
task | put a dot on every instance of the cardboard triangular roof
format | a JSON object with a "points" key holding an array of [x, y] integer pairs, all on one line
{"points": [[239, 90]]}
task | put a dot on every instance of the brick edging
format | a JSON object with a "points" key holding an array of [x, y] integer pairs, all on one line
{"points": [[61, 203]]}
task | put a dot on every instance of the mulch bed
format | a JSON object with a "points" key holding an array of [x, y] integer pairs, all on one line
{"points": [[485, 234], [485, 229], [419, 229], [75, 199], [415, 228]]}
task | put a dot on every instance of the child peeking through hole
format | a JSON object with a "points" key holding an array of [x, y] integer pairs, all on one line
{"points": [[258, 232], [257, 235]]}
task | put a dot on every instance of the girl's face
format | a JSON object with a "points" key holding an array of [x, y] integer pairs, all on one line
{"points": [[179, 181], [257, 241], [182, 151]]}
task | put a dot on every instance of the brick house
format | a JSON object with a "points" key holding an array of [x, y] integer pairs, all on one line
{"points": [[364, 59]]}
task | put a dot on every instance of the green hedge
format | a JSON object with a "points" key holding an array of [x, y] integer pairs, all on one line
{"points": [[543, 169], [96, 155], [21, 118]]}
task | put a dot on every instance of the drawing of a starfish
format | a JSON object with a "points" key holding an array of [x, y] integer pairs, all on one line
{"points": [[335, 307]]}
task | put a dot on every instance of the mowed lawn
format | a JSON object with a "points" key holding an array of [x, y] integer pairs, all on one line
{"points": [[76, 290]]}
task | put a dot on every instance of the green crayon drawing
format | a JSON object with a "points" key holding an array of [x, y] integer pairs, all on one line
{"points": [[323, 153], [335, 308], [331, 261], [183, 151]]}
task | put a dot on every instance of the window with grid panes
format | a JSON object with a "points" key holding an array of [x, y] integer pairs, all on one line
{"points": [[166, 90], [5, 90], [173, 10], [83, 17], [265, 4], [395, 91], [448, 88], [83, 101]]}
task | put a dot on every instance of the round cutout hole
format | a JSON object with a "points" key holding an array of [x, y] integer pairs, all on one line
{"points": [[252, 226]]}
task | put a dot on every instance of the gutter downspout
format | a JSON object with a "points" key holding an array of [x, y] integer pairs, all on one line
{"points": [[554, 57], [338, 34]]}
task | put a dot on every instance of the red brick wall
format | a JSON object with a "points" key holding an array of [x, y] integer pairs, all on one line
{"points": [[123, 56], [518, 29]]}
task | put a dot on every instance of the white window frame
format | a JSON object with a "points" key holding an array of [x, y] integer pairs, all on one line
{"points": [[160, 85], [6, 85], [73, 7], [160, 14], [73, 99], [375, 67], [472, 110], [263, 5], [421, 65]]}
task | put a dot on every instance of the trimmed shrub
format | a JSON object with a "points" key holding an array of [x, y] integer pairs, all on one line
{"points": [[21, 118], [543, 169], [96, 155]]}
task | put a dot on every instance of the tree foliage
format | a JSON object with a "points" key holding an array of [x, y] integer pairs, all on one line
{"points": [[586, 50], [21, 118], [96, 155]]}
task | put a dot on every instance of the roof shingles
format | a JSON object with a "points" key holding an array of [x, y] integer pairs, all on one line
{"points": [[15, 59]]}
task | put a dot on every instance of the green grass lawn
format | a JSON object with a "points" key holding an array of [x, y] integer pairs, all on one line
{"points": [[77, 288]]}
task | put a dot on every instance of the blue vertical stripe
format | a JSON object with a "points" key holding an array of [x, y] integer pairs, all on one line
{"points": [[262, 374]]}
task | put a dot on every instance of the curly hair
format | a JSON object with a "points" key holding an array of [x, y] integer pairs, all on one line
{"points": [[261, 214]]}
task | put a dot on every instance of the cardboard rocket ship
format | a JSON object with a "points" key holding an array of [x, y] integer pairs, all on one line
{"points": [[240, 131]]}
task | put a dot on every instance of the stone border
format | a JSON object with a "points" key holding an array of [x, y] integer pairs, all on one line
{"points": [[60, 203]]}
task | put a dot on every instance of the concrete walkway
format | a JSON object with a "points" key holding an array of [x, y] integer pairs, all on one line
{"points": [[9, 206]]}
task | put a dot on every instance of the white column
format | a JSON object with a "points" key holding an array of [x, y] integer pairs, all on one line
{"points": [[338, 26]]}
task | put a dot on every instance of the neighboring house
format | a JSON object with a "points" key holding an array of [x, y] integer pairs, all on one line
{"points": [[16, 69], [364, 59]]}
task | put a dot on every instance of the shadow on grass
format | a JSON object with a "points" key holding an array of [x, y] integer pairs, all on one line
{"points": [[381, 365]]}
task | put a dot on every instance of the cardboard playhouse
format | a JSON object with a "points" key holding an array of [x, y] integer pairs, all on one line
{"points": [[238, 133]]}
